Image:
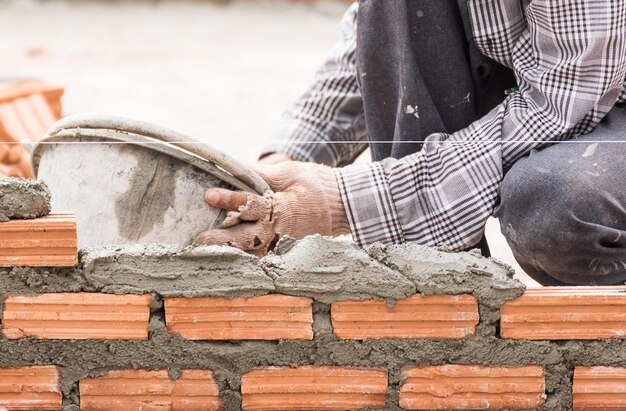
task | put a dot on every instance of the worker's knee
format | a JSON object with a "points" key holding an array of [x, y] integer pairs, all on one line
{"points": [[535, 209], [561, 227]]}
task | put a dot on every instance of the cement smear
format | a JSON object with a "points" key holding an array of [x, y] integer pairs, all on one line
{"points": [[150, 194], [174, 271], [23, 198], [330, 270]]}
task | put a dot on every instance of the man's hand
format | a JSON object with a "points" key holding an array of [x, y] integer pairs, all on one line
{"points": [[305, 201]]}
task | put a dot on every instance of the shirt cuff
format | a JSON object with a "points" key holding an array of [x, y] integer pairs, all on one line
{"points": [[369, 205]]}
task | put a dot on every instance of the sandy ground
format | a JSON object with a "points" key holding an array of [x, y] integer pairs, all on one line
{"points": [[222, 73]]}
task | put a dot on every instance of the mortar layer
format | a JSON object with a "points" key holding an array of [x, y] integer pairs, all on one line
{"points": [[438, 272], [23, 198], [174, 271], [330, 270]]}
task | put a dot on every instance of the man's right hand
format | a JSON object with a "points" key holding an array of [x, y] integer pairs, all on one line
{"points": [[305, 200]]}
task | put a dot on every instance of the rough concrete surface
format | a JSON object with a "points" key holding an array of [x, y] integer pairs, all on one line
{"points": [[332, 270], [22, 198], [175, 271], [435, 272]]}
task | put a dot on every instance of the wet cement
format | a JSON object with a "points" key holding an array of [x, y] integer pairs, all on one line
{"points": [[22, 198], [217, 271], [173, 271], [332, 270]]}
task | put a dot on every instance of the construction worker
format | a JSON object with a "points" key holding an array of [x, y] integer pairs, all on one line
{"points": [[512, 108]]}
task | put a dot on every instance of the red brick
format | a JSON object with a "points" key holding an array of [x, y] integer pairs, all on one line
{"points": [[313, 388], [14, 161], [51, 94], [269, 317], [30, 388], [46, 241], [442, 316], [131, 390], [599, 388], [471, 387], [566, 313], [27, 110], [76, 316]]}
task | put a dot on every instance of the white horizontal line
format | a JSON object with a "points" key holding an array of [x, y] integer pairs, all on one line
{"points": [[327, 142]]}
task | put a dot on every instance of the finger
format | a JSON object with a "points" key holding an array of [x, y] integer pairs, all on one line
{"points": [[248, 237], [257, 208], [226, 199], [232, 219]]}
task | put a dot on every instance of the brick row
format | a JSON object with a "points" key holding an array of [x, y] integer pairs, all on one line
{"points": [[599, 388], [458, 387], [313, 388], [131, 390], [47, 241], [442, 316], [76, 316], [468, 387], [30, 388], [269, 317], [566, 313]]}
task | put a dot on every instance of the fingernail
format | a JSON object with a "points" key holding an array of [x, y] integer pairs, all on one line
{"points": [[212, 196]]}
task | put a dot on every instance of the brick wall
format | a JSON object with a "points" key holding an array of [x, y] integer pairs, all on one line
{"points": [[319, 325]]}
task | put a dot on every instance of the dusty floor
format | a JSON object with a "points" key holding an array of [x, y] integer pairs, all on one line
{"points": [[222, 73]]}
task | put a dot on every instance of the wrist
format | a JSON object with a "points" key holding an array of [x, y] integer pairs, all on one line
{"points": [[338, 219]]}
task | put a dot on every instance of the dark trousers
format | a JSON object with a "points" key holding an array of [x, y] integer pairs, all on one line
{"points": [[562, 209]]}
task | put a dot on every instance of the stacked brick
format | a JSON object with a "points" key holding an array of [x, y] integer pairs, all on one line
{"points": [[30, 235], [128, 390], [440, 316], [102, 348], [27, 110], [49, 241], [76, 316], [269, 317], [472, 387], [313, 388], [30, 388]]}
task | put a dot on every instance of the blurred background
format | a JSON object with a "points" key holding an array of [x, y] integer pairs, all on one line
{"points": [[222, 72]]}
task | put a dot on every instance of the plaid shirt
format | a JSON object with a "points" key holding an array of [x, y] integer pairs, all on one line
{"points": [[569, 57]]}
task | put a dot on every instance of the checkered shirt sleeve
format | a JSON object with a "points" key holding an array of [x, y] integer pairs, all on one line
{"points": [[326, 125], [570, 61]]}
